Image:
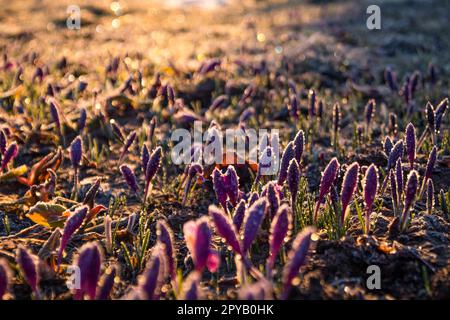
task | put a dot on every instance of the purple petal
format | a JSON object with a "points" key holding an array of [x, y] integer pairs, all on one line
{"points": [[252, 223], [279, 228], [225, 228]]}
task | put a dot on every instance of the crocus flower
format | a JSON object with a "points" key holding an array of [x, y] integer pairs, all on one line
{"points": [[197, 235], [3, 141], [293, 106], [151, 129], [279, 229], [128, 142], [219, 102], [320, 109], [411, 144], [252, 223], [370, 110], [391, 79], [312, 103], [296, 258], [152, 167], [293, 179], [247, 114], [253, 198], [89, 261], [439, 114], [9, 154], [429, 169], [5, 276], [151, 281], [225, 228], [288, 155], [129, 177], [145, 156], [299, 146], [239, 214], [73, 222], [219, 188], [106, 283], [328, 177], [410, 195], [76, 152], [348, 188], [117, 131], [54, 111], [82, 119], [399, 178], [191, 287], [394, 193], [231, 184], [430, 196], [28, 264], [195, 169], [393, 127], [370, 191], [429, 111], [165, 238], [273, 198], [396, 153], [387, 146]]}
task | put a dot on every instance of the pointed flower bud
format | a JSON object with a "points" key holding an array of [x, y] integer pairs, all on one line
{"points": [[231, 184], [252, 223], [430, 196], [129, 177], [165, 237], [152, 167], [28, 264], [89, 261], [279, 229], [296, 258], [225, 228], [293, 179], [3, 141], [348, 187], [370, 190], [370, 111], [299, 146], [410, 196], [128, 142], [273, 198], [288, 155], [327, 180], [9, 155], [106, 283], [239, 214], [439, 114], [411, 144], [145, 156], [399, 178], [151, 281], [388, 146], [429, 111], [219, 188], [396, 153], [76, 152]]}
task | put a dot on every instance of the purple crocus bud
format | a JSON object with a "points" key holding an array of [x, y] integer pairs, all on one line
{"points": [[396, 153], [411, 144], [145, 156], [247, 114], [73, 222], [151, 129], [279, 228], [165, 237], [129, 177], [328, 177], [252, 223], [239, 214], [387, 146], [3, 141], [348, 188], [399, 177], [253, 198], [273, 198], [54, 111], [299, 146], [106, 283], [76, 152], [128, 142], [231, 184], [82, 119], [117, 131], [320, 108], [410, 196], [370, 190], [89, 198], [151, 281], [439, 114], [296, 258], [89, 261], [394, 193], [28, 264], [429, 169], [429, 111], [312, 103], [152, 167], [225, 228], [293, 106], [430, 196], [191, 287], [393, 127], [5, 276], [219, 102], [336, 117], [414, 82], [9, 155], [293, 179], [197, 235], [390, 78], [219, 188], [288, 155], [370, 110]]}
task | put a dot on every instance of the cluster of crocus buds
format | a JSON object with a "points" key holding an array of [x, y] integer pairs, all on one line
{"points": [[226, 186]]}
